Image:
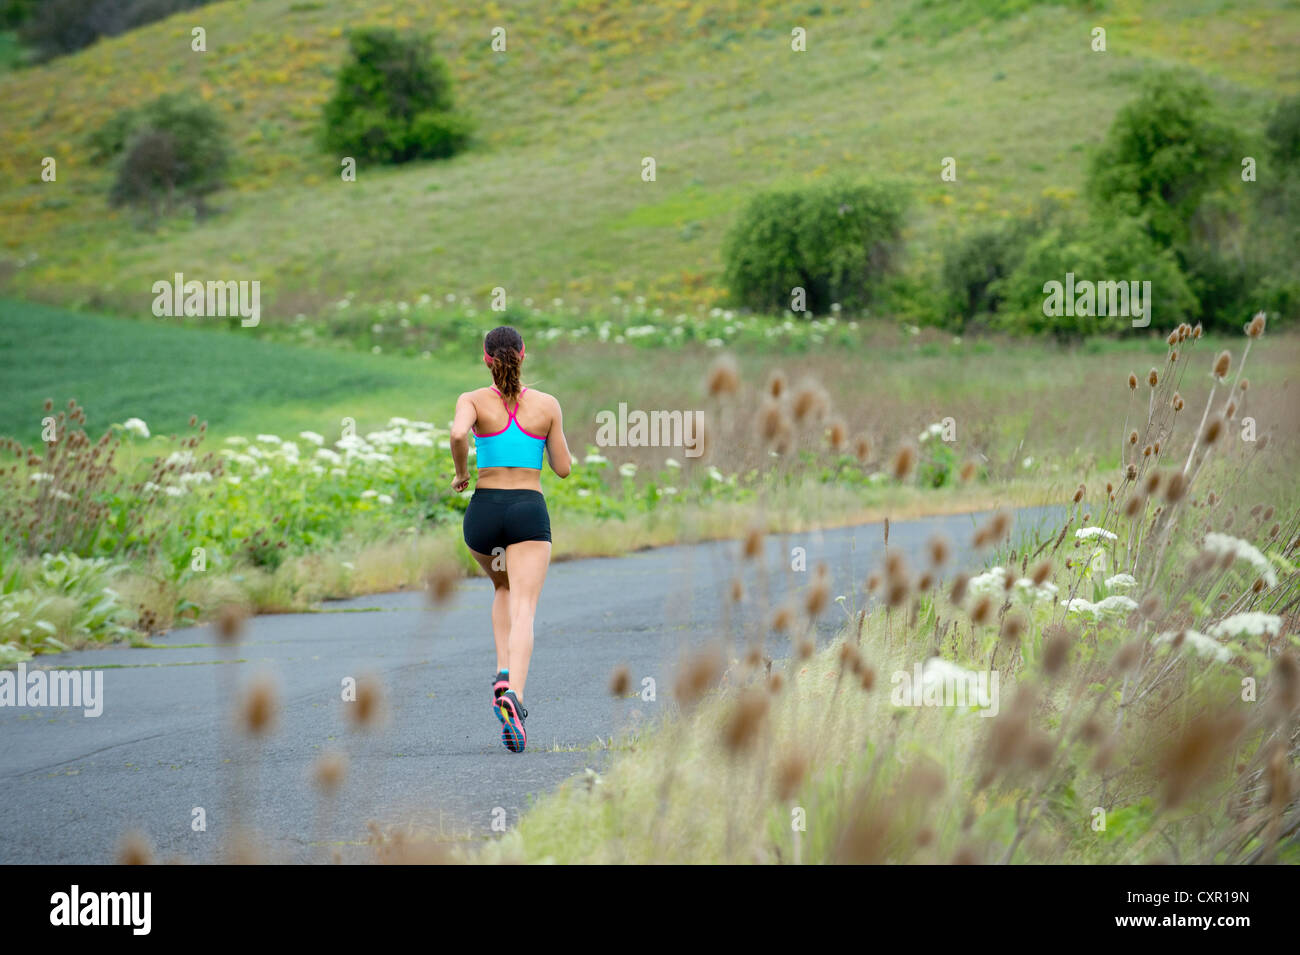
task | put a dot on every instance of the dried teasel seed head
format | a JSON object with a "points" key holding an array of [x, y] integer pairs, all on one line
{"points": [[1245, 384], [867, 678], [904, 462], [775, 682], [1172, 340], [441, 582], [737, 591], [134, 848], [367, 709], [1133, 506], [1152, 483], [939, 550], [1256, 326], [862, 449], [1150, 606], [819, 592], [837, 436], [790, 773], [772, 423], [968, 471], [1131, 472], [697, 676], [809, 403], [776, 384], [873, 583], [746, 718], [958, 592], [1013, 627], [782, 620], [1197, 331], [1127, 657], [724, 377], [1132, 437], [1153, 378], [230, 622], [1056, 651], [1042, 570], [805, 648], [620, 681], [1079, 493], [1222, 364], [258, 709], [753, 543], [1132, 381], [329, 771], [1175, 487], [1178, 401], [982, 612], [1213, 429]]}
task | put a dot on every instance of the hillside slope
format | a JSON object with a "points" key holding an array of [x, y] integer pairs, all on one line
{"points": [[550, 201]]}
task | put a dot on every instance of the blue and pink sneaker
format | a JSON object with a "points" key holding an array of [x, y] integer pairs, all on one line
{"points": [[512, 714], [500, 684]]}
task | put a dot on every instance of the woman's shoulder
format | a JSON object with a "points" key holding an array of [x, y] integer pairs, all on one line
{"points": [[544, 397]]}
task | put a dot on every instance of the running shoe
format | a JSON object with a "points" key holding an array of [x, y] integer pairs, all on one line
{"points": [[512, 714], [500, 683]]}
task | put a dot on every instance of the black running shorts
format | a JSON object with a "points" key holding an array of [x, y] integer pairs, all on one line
{"points": [[498, 517]]}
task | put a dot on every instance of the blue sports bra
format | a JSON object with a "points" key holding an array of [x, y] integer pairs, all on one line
{"points": [[512, 446]]}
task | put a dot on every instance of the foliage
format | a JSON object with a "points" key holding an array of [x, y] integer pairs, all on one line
{"points": [[836, 242], [393, 101]]}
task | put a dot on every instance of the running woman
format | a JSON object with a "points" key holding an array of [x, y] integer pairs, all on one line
{"points": [[507, 516]]}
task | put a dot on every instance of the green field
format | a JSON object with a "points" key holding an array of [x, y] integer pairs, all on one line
{"points": [[238, 384], [586, 90]]}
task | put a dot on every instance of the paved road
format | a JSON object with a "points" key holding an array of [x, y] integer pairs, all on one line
{"points": [[71, 785]]}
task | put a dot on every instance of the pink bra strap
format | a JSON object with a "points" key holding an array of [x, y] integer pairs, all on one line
{"points": [[506, 406]]}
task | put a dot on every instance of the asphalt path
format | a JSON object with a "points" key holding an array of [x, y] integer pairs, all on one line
{"points": [[166, 743]]}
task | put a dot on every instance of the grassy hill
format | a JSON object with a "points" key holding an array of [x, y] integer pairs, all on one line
{"points": [[550, 201]]}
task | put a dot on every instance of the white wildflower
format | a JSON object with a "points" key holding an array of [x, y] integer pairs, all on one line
{"points": [[1253, 624], [136, 427], [1199, 643], [1220, 544]]}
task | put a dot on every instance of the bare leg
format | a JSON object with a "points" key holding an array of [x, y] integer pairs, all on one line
{"points": [[500, 607], [526, 563]]}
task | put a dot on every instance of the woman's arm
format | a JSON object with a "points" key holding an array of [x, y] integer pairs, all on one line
{"points": [[557, 449], [460, 425]]}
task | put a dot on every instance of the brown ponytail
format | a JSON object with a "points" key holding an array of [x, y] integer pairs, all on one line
{"points": [[505, 347]]}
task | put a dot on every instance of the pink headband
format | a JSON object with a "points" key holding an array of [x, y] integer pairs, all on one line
{"points": [[488, 358]]}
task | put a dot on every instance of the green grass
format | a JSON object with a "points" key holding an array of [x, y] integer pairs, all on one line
{"points": [[550, 201], [240, 385]]}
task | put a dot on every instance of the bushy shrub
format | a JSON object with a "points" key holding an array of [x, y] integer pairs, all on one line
{"points": [[837, 242], [1283, 132], [1098, 250], [56, 27], [974, 266], [393, 101], [175, 149], [1163, 153]]}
